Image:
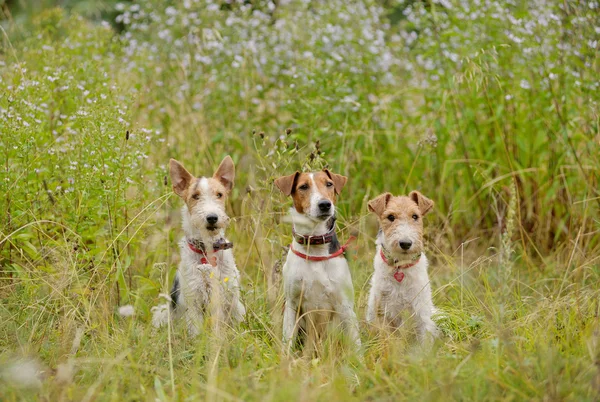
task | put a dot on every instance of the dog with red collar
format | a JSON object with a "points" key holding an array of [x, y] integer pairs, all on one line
{"points": [[207, 279], [318, 290], [400, 282]]}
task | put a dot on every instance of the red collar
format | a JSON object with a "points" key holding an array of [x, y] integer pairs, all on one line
{"points": [[398, 275], [325, 257], [198, 248], [203, 259]]}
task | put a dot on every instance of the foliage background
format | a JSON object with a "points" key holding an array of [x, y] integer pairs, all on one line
{"points": [[488, 107]]}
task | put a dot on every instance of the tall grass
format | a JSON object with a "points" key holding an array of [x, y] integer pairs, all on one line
{"points": [[488, 108]]}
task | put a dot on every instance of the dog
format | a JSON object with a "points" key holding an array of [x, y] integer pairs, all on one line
{"points": [[207, 277], [318, 288], [400, 281]]}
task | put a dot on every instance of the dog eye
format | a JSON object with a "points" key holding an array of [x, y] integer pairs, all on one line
{"points": [[329, 184], [303, 187], [391, 218], [219, 195], [415, 217], [196, 196]]}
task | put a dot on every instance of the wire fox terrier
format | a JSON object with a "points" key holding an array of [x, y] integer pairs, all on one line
{"points": [[400, 281], [207, 278], [317, 284]]}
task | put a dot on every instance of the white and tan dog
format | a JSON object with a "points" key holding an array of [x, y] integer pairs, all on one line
{"points": [[316, 279], [207, 277], [400, 282]]}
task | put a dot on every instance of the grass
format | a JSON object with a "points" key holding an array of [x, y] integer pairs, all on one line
{"points": [[490, 110]]}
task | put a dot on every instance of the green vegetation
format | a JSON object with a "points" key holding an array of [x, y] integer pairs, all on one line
{"points": [[489, 108]]}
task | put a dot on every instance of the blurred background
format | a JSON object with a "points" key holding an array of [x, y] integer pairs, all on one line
{"points": [[490, 108]]}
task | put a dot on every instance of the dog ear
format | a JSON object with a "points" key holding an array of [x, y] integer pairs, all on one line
{"points": [[180, 177], [226, 173], [378, 204], [424, 203], [339, 181], [286, 183]]}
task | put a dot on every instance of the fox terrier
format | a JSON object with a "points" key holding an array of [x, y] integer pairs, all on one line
{"points": [[400, 281], [207, 278], [317, 284]]}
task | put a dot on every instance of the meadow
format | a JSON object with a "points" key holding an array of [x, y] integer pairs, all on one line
{"points": [[489, 108]]}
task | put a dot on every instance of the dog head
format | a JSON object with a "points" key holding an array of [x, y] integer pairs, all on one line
{"points": [[313, 194], [401, 222], [204, 197]]}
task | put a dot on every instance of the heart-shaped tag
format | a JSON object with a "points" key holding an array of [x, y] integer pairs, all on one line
{"points": [[399, 276]]}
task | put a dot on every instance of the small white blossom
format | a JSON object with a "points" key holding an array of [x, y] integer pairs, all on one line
{"points": [[524, 84], [126, 311]]}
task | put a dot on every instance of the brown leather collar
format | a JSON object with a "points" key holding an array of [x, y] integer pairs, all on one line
{"points": [[316, 240]]}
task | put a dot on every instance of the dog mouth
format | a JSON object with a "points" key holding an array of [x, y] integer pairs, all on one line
{"points": [[211, 228]]}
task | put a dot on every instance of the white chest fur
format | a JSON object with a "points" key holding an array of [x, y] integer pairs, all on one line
{"points": [[389, 298]]}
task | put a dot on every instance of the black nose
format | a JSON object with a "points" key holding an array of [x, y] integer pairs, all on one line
{"points": [[324, 205], [405, 244], [212, 218]]}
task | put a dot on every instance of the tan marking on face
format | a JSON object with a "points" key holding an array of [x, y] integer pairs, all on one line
{"points": [[404, 211], [195, 192], [305, 186]]}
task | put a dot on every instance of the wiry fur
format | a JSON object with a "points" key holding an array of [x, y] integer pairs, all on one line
{"points": [[201, 288], [389, 298], [319, 295]]}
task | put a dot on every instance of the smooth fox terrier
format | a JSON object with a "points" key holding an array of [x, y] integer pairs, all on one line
{"points": [[400, 281], [317, 284], [207, 278]]}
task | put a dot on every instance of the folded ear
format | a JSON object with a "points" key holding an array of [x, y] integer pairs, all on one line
{"points": [[286, 183], [424, 203], [226, 173], [378, 204], [339, 181], [180, 177]]}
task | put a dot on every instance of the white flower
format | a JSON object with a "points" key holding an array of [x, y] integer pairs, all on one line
{"points": [[525, 84], [25, 373], [126, 311]]}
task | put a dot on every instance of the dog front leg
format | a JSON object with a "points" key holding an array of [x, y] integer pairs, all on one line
{"points": [[194, 318], [240, 311], [350, 323], [425, 325], [290, 329], [372, 307]]}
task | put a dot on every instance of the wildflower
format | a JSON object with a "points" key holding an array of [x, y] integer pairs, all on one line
{"points": [[24, 373], [524, 84], [126, 311]]}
